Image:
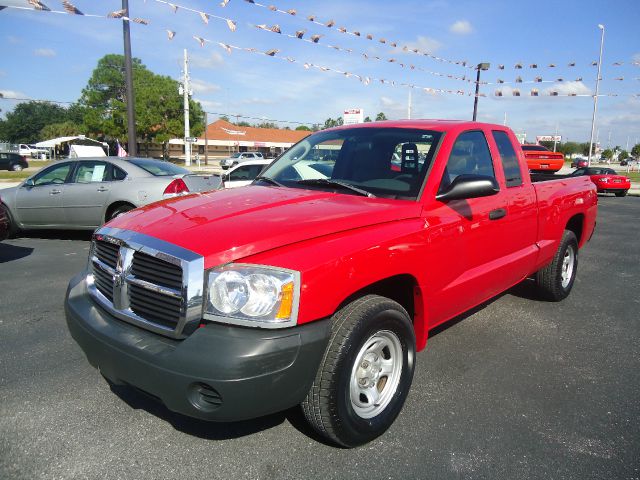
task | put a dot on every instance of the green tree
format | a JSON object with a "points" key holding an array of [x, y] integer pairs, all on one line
{"points": [[607, 154], [158, 105], [635, 151], [62, 129], [303, 127], [367, 119], [623, 155], [381, 116], [25, 122], [267, 125]]}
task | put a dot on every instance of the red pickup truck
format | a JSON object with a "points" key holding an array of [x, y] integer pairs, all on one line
{"points": [[542, 160], [317, 284]]}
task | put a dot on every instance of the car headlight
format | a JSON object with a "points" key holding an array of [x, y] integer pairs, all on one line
{"points": [[252, 295]]}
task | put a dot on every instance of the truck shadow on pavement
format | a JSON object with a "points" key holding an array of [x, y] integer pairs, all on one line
{"points": [[9, 253], [57, 234], [139, 400]]}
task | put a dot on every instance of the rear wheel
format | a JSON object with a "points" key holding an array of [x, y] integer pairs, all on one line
{"points": [[622, 193], [366, 372], [16, 167], [120, 210], [556, 279]]}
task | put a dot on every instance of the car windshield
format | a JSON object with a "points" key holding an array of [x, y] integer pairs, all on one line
{"points": [[235, 155], [159, 168], [538, 148], [385, 162]]}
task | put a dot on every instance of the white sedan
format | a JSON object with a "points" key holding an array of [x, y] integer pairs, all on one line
{"points": [[244, 174]]}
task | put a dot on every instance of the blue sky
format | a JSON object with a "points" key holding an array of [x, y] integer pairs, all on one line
{"points": [[51, 56]]}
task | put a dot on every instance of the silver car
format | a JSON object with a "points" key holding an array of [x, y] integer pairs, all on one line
{"points": [[239, 157], [84, 193]]}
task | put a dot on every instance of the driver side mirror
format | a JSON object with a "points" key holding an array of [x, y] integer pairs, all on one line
{"points": [[29, 182], [469, 186]]}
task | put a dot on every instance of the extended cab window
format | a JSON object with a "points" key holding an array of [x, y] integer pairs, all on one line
{"points": [[510, 165], [469, 156]]}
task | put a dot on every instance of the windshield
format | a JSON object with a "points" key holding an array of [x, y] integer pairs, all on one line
{"points": [[538, 148], [235, 155], [386, 162], [159, 168]]}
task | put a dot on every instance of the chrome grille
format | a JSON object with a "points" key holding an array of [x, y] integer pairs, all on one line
{"points": [[154, 270], [145, 281], [107, 252]]}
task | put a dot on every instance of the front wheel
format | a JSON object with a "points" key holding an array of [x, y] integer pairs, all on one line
{"points": [[622, 193], [366, 372], [16, 167], [556, 279]]}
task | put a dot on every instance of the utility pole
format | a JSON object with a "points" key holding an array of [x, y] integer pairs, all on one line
{"points": [[595, 97], [555, 138], [206, 141], [128, 72], [185, 92], [409, 106]]}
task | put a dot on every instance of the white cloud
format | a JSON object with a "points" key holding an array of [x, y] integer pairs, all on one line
{"points": [[636, 59], [569, 88], [425, 44], [12, 94], [14, 40], [200, 86], [215, 59], [210, 104], [461, 27], [44, 52]]}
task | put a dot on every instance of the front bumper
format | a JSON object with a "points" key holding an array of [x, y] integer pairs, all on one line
{"points": [[218, 373]]}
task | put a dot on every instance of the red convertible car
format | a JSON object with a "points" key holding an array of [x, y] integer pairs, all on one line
{"points": [[606, 180]]}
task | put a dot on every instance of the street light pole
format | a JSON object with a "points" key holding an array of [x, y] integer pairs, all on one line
{"points": [[595, 98], [481, 66], [128, 72]]}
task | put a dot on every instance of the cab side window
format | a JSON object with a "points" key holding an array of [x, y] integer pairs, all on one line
{"points": [[470, 155], [117, 173], [510, 165]]}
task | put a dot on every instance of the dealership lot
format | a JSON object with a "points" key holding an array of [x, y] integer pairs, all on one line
{"points": [[517, 389]]}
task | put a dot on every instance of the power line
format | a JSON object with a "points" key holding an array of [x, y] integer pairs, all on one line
{"points": [[261, 118]]}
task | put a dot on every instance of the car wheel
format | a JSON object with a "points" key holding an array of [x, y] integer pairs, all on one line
{"points": [[121, 210], [556, 279], [623, 193], [365, 374], [12, 229], [16, 167]]}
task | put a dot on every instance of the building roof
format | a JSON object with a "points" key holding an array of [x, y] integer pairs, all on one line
{"points": [[223, 130]]}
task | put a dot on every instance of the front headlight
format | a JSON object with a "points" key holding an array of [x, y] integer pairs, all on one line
{"points": [[252, 295]]}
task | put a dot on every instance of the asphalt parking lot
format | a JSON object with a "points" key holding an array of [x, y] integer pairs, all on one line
{"points": [[518, 389]]}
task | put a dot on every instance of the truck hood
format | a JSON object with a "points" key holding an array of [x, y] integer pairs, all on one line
{"points": [[228, 225]]}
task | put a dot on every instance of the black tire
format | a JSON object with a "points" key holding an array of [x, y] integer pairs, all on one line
{"points": [[374, 333], [556, 279], [119, 211], [623, 193], [16, 167], [13, 229]]}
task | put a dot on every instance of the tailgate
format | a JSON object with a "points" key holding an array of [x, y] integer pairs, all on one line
{"points": [[202, 183]]}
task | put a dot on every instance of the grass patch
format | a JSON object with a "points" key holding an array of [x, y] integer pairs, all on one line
{"points": [[16, 176]]}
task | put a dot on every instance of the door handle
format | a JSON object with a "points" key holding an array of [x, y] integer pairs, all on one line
{"points": [[497, 213], [55, 191], [103, 189]]}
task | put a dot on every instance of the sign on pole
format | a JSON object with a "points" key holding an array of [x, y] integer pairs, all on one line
{"points": [[353, 115], [191, 139], [548, 138]]}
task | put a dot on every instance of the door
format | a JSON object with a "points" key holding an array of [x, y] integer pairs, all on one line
{"points": [[465, 240], [39, 203], [87, 194]]}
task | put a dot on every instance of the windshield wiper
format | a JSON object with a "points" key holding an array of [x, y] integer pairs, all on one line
{"points": [[269, 180], [335, 183]]}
